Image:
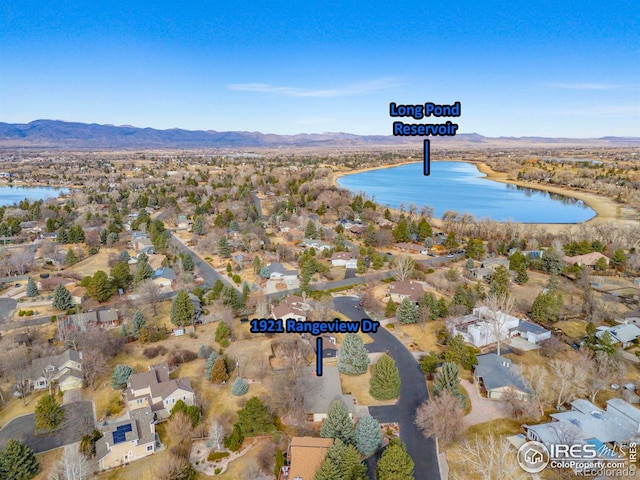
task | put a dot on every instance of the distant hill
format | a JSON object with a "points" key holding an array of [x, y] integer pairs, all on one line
{"points": [[59, 134]]}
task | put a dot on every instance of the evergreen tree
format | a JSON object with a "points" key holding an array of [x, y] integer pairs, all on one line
{"points": [[121, 274], [367, 435], [428, 242], [182, 309], [429, 363], [62, 298], [522, 276], [224, 250], [328, 471], [223, 333], [71, 258], [451, 241], [390, 309], [469, 264], [340, 242], [120, 376], [499, 283], [342, 462], [100, 287], [234, 441], [460, 298], [137, 323], [424, 230], [199, 226], [219, 372], [337, 424], [123, 330], [546, 306], [279, 463], [353, 358], [475, 249], [255, 418], [407, 311], [401, 231], [32, 288], [385, 381], [18, 461], [62, 238], [618, 259], [551, 262], [49, 414], [240, 387], [187, 262], [257, 265], [143, 271], [208, 366], [447, 378], [310, 230], [395, 463]]}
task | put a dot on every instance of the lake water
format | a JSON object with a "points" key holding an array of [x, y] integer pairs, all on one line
{"points": [[10, 194], [462, 187]]}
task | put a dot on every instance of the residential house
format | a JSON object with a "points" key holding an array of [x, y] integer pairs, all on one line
{"points": [[140, 243], [494, 263], [164, 278], [479, 328], [398, 291], [329, 348], [305, 456], [631, 318], [156, 390], [278, 272], [183, 223], [480, 273], [239, 258], [64, 370], [322, 391], [293, 307], [127, 440], [80, 322], [588, 260], [586, 423], [623, 335], [78, 294], [344, 259], [356, 230], [318, 245], [495, 374]]}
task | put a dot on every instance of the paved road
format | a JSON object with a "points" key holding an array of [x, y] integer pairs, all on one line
{"points": [[349, 273], [413, 392], [207, 271], [79, 420], [433, 262], [7, 306], [256, 200]]}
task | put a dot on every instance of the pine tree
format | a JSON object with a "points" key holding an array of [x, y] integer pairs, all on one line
{"points": [[182, 310], [460, 298], [353, 358], [390, 310], [234, 441], [71, 257], [499, 283], [199, 226], [367, 435], [49, 414], [257, 265], [522, 276], [240, 387], [18, 461], [62, 298], [219, 371], [328, 471], [120, 376], [385, 381], [310, 230], [447, 378], [337, 424], [255, 418], [100, 287], [32, 288], [224, 250], [208, 366], [395, 463], [121, 274], [137, 323], [223, 333], [187, 262], [407, 311], [143, 271]]}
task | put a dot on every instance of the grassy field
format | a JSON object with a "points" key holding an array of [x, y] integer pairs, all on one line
{"points": [[99, 261], [572, 328], [424, 335], [47, 461], [358, 386]]}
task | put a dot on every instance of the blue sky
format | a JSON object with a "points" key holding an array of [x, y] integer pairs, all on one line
{"points": [[548, 68]]}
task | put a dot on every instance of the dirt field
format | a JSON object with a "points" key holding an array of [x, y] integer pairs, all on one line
{"points": [[425, 339]]}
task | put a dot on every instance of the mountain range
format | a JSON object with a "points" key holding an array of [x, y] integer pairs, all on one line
{"points": [[75, 135]]}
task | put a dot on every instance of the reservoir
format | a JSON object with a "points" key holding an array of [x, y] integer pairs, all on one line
{"points": [[462, 187], [10, 194]]}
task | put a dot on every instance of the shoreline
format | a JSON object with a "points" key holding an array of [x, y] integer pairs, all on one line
{"points": [[605, 208]]}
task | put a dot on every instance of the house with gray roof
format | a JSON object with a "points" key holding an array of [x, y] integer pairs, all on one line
{"points": [[64, 370], [496, 374], [278, 272], [156, 390], [624, 335], [127, 440], [323, 390]]}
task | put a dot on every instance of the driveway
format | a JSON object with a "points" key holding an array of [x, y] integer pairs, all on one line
{"points": [[7, 307], [482, 409], [413, 391], [78, 421]]}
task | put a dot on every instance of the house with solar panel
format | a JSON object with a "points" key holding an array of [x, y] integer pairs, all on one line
{"points": [[156, 390], [127, 440]]}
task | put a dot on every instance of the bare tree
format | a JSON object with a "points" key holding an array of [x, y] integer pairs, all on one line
{"points": [[18, 362], [180, 431], [294, 351], [489, 458], [292, 387], [540, 381], [22, 259], [441, 416], [150, 294], [94, 364], [500, 308], [403, 268], [602, 369], [72, 466], [170, 467], [570, 379], [219, 429]]}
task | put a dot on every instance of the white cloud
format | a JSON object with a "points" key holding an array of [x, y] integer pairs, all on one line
{"points": [[341, 91]]}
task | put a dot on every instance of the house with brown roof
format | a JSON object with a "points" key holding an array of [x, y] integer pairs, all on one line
{"points": [[588, 260], [156, 390], [411, 247], [344, 259], [305, 456], [292, 306], [127, 440], [398, 291]]}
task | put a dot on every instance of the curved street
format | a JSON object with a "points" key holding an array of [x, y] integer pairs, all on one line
{"points": [[413, 392]]}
